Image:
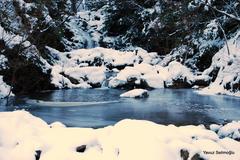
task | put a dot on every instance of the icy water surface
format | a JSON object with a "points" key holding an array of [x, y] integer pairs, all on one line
{"points": [[101, 107]]}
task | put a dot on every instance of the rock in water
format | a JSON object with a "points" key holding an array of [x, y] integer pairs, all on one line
{"points": [[135, 93]]}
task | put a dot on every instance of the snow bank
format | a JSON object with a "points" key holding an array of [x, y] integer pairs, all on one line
{"points": [[85, 68], [135, 93], [153, 76], [27, 137], [115, 58], [226, 65], [4, 88]]}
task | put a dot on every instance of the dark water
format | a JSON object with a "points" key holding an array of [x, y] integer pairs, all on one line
{"points": [[105, 107]]}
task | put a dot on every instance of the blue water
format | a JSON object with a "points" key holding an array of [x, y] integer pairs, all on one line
{"points": [[101, 107]]}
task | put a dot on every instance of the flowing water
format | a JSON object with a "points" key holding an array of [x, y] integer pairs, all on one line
{"points": [[101, 107]]}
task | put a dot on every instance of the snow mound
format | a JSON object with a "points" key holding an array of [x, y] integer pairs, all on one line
{"points": [[4, 89], [27, 137], [135, 93]]}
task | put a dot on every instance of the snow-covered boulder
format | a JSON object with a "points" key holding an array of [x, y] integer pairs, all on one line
{"points": [[143, 75], [135, 93], [57, 125], [5, 89], [129, 77], [231, 130], [179, 76]]}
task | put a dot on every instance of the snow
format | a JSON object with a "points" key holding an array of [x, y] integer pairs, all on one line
{"points": [[81, 35], [176, 71], [231, 130], [211, 30], [135, 93], [88, 67], [228, 77], [11, 39], [3, 62], [85, 76], [155, 76], [4, 89], [128, 139]]}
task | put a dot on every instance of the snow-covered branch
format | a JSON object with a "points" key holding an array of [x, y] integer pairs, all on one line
{"points": [[225, 13]]}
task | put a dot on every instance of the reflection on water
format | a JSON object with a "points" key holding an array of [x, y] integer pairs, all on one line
{"points": [[165, 106]]}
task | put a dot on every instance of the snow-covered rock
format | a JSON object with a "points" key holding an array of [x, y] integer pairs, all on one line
{"points": [[175, 75], [78, 77], [231, 130], [23, 136], [179, 75], [5, 89], [136, 93], [57, 125], [85, 68]]}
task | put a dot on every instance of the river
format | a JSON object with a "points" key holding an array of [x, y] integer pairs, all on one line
{"points": [[101, 107]]}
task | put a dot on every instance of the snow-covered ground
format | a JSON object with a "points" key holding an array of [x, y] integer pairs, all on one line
{"points": [[25, 137]]}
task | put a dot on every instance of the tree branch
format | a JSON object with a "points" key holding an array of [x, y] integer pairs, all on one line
{"points": [[225, 13]]}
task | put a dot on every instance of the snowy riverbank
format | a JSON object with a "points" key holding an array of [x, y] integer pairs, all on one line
{"points": [[137, 68], [91, 68], [101, 67], [23, 136]]}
